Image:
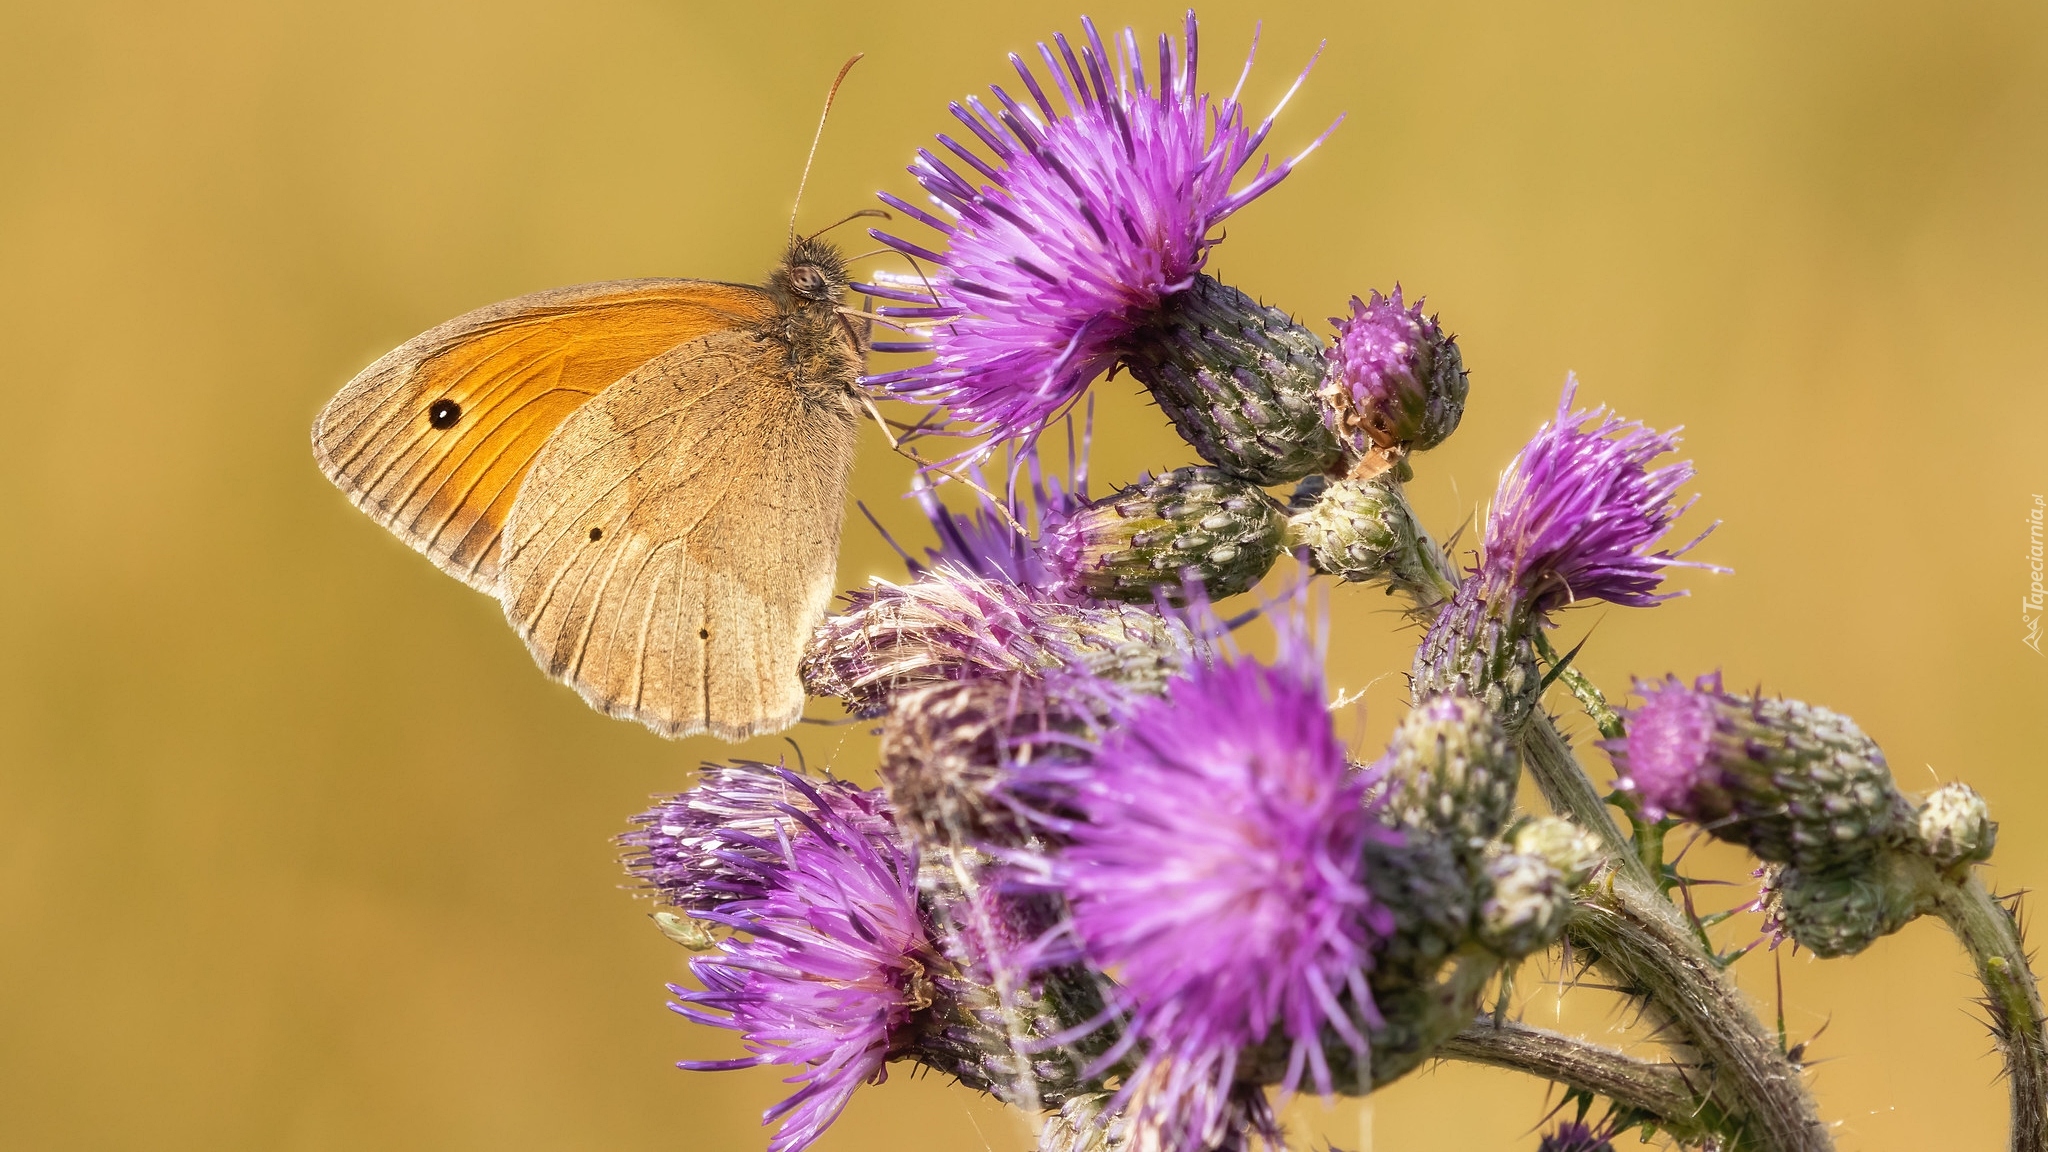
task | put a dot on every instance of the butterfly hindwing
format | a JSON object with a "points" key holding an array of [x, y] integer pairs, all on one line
{"points": [[673, 545], [434, 439]]}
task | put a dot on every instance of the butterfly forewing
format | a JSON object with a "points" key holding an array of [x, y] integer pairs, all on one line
{"points": [[674, 544], [434, 439]]}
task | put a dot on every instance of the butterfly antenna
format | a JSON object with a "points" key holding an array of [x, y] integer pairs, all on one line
{"points": [[865, 212], [817, 136]]}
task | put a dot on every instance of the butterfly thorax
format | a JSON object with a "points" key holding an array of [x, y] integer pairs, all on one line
{"points": [[823, 345]]}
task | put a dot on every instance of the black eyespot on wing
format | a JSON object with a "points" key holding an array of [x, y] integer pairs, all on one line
{"points": [[703, 633], [596, 534], [444, 413]]}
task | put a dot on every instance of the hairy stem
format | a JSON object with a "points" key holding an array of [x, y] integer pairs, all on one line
{"points": [[1571, 794], [1646, 942], [1657, 1090], [1992, 938], [1587, 693], [1637, 935]]}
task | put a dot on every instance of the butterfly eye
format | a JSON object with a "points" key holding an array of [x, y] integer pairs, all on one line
{"points": [[807, 281], [444, 413]]}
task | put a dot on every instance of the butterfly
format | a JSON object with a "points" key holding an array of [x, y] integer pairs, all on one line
{"points": [[649, 474]]}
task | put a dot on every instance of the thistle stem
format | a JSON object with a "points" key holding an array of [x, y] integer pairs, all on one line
{"points": [[1429, 577], [1660, 1091], [1988, 932], [1570, 793], [1585, 692], [1638, 935]]}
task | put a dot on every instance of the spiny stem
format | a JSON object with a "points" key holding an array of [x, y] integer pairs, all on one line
{"points": [[1570, 793], [1584, 690], [1990, 934], [1657, 1090], [1650, 945], [1648, 835]]}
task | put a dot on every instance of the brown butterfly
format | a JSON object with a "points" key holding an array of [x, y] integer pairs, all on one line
{"points": [[649, 474]]}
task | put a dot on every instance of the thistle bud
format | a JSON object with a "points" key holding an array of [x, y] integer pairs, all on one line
{"points": [[1792, 782], [1428, 891], [1477, 646], [1363, 531], [1149, 537], [1838, 910], [1452, 771], [1574, 851], [946, 748], [1239, 381], [1954, 826], [1526, 906], [1396, 385]]}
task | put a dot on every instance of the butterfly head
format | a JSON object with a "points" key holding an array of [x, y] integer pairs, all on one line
{"points": [[811, 276], [825, 346]]}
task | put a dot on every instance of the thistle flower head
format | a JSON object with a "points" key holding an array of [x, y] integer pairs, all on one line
{"points": [[948, 748], [1190, 527], [828, 963], [1098, 198], [1217, 869], [950, 624], [1792, 782], [1579, 511], [1397, 382], [1003, 540], [985, 539], [1666, 754], [708, 846]]}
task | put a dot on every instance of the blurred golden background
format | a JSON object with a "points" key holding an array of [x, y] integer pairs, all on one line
{"points": [[299, 851]]}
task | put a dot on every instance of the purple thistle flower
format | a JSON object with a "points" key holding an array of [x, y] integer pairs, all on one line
{"points": [[1073, 236], [1579, 509], [829, 962], [703, 848], [1664, 756], [1792, 782], [1397, 383], [985, 538], [1216, 867], [985, 541]]}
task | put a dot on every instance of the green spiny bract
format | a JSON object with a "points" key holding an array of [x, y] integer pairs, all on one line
{"points": [[1150, 538], [1451, 771], [1478, 647], [1239, 381], [1363, 531]]}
